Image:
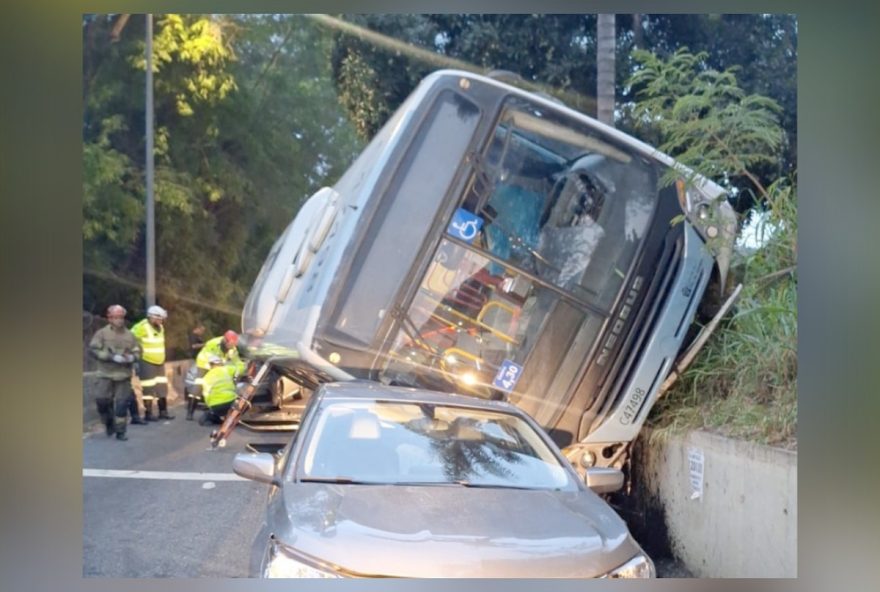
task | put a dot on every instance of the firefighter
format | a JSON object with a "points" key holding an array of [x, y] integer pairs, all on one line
{"points": [[150, 332], [225, 348], [219, 389], [116, 350]]}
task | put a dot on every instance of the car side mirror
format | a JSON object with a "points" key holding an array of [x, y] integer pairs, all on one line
{"points": [[603, 479], [255, 466]]}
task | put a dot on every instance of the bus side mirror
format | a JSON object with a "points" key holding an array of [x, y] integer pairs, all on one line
{"points": [[603, 480]]}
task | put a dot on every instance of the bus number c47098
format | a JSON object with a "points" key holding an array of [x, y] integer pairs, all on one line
{"points": [[632, 406]]}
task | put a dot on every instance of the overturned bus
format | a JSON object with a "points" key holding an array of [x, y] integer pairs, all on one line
{"points": [[493, 242]]}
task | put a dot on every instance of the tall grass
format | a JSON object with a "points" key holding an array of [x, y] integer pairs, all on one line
{"points": [[744, 382]]}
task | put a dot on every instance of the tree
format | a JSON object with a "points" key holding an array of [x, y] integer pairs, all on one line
{"points": [[605, 68], [705, 120], [762, 46], [548, 49], [554, 49], [248, 125]]}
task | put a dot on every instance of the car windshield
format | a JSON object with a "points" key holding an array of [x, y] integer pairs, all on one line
{"points": [[427, 444]]}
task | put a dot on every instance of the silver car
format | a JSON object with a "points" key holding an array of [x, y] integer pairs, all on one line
{"points": [[398, 482]]}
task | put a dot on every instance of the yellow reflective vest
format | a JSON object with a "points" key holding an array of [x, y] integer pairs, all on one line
{"points": [[219, 385], [212, 348], [152, 341]]}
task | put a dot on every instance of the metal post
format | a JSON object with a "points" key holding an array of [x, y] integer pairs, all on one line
{"points": [[151, 214]]}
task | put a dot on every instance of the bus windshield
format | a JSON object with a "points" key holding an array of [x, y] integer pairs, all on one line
{"points": [[526, 272]]}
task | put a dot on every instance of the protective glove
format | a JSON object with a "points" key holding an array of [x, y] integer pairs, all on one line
{"points": [[118, 358]]}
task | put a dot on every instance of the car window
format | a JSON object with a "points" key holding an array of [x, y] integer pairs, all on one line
{"points": [[410, 443]]}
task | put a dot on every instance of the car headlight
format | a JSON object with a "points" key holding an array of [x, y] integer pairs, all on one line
{"points": [[637, 567], [282, 564]]}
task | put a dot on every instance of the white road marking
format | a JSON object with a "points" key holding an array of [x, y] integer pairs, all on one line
{"points": [[209, 485], [166, 475]]}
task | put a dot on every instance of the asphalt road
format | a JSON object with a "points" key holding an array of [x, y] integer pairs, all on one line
{"points": [[180, 524], [185, 514]]}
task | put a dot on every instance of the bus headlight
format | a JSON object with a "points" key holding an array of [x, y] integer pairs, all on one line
{"points": [[637, 567], [704, 211]]}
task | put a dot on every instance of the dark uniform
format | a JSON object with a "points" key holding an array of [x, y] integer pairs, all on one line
{"points": [[196, 340], [114, 347]]}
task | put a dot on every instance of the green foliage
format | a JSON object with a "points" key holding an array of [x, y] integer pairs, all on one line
{"points": [[358, 82], [762, 46], [743, 382], [261, 130], [192, 55], [373, 79], [549, 48], [559, 51], [704, 119], [112, 201]]}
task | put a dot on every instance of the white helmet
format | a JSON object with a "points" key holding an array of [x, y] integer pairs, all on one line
{"points": [[157, 311]]}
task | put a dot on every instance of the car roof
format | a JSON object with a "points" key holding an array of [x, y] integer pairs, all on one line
{"points": [[366, 390]]}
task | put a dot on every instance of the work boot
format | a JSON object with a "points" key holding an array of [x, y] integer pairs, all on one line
{"points": [[189, 414], [163, 409], [148, 411], [138, 421], [121, 436]]}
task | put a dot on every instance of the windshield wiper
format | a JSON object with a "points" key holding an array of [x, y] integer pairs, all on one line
{"points": [[466, 483], [339, 480]]}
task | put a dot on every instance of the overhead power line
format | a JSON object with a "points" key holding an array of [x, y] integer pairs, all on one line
{"points": [[139, 285]]}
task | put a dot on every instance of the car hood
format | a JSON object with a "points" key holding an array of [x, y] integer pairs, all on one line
{"points": [[452, 531]]}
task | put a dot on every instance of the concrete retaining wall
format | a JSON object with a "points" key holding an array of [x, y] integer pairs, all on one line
{"points": [[730, 507], [174, 371]]}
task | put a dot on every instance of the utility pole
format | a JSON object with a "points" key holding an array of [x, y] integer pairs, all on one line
{"points": [[151, 208]]}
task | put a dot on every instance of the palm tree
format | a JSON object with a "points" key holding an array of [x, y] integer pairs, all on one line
{"points": [[605, 68]]}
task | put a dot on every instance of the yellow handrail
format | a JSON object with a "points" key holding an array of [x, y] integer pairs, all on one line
{"points": [[478, 323]]}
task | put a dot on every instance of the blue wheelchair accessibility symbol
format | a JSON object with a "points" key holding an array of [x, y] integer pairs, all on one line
{"points": [[464, 225], [507, 376]]}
